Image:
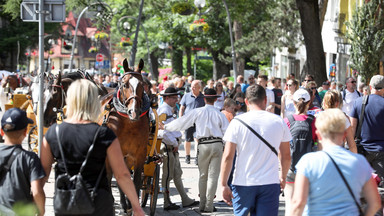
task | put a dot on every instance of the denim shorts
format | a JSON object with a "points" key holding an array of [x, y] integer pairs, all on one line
{"points": [[257, 200]]}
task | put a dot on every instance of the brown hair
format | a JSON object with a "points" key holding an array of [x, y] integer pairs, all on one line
{"points": [[229, 102], [331, 99], [255, 94], [265, 77]]}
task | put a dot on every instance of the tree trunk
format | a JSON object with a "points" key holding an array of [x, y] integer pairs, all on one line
{"points": [[310, 27], [220, 68], [177, 61], [155, 66], [238, 30], [189, 60]]}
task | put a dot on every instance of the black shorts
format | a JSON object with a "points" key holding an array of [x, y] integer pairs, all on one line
{"points": [[189, 134]]}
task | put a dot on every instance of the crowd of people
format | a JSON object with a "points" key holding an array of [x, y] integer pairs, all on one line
{"points": [[262, 137]]}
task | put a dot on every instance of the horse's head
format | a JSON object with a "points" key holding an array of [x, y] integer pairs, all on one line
{"points": [[132, 90]]}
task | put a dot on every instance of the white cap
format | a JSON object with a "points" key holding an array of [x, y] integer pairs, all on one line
{"points": [[301, 93]]}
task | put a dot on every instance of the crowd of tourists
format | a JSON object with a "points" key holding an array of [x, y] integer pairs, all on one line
{"points": [[320, 146]]}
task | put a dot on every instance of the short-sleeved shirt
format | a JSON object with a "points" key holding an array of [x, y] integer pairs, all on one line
{"points": [[191, 102], [16, 184], [328, 194], [76, 140], [349, 100], [372, 136], [278, 94], [256, 164]]}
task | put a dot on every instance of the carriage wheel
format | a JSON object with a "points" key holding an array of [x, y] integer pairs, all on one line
{"points": [[154, 190], [33, 138], [145, 190]]}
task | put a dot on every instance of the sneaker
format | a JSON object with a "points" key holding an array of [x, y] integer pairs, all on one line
{"points": [[196, 161], [188, 159]]}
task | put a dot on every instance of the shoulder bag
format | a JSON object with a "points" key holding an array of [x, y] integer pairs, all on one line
{"points": [[7, 166], [258, 135], [346, 184], [71, 194], [360, 148]]}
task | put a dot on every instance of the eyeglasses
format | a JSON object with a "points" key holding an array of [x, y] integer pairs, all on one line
{"points": [[239, 103], [353, 81], [313, 88], [289, 85]]}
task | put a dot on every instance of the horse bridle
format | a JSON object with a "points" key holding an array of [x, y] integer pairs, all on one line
{"points": [[63, 95]]}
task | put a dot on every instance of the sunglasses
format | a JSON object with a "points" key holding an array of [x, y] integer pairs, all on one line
{"points": [[313, 88], [239, 103], [353, 81], [289, 85]]}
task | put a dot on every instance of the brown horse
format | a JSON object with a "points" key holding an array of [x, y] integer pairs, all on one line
{"points": [[129, 119], [127, 116], [14, 81]]}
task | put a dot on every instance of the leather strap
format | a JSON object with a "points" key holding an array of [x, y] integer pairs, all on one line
{"points": [[346, 183], [361, 119], [258, 135], [12, 158]]}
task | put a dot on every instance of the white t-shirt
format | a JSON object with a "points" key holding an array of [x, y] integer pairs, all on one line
{"points": [[348, 101], [256, 164], [270, 96]]}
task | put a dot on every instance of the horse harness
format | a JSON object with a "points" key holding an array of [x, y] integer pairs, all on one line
{"points": [[120, 108]]}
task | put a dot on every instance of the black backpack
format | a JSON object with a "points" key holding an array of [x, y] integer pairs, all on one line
{"points": [[302, 141]]}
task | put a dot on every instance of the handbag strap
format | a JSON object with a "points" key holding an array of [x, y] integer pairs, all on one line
{"points": [[361, 119], [258, 135], [7, 166], [88, 153], [346, 183]]}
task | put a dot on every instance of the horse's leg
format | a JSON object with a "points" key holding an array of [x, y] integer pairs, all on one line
{"points": [[123, 201]]}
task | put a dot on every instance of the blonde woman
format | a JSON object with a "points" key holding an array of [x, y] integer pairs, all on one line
{"points": [[287, 106], [76, 136], [332, 99], [319, 187]]}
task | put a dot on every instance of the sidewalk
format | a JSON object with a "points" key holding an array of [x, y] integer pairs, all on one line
{"points": [[190, 180]]}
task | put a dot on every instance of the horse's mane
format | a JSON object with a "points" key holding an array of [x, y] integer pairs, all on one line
{"points": [[73, 75]]}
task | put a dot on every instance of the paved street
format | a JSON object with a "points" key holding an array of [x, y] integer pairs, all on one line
{"points": [[190, 180]]}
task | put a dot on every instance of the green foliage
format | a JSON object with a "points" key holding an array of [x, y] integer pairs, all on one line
{"points": [[184, 8], [366, 36]]}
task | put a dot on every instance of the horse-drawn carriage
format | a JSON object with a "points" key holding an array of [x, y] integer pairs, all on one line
{"points": [[126, 110]]}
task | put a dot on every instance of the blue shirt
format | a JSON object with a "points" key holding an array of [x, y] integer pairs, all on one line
{"points": [[372, 130], [191, 102], [244, 87], [328, 195]]}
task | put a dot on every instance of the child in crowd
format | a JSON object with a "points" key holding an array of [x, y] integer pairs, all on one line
{"points": [[229, 108]]}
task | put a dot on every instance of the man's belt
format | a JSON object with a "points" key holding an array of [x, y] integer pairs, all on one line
{"points": [[208, 140]]}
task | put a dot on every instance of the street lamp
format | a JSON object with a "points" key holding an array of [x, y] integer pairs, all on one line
{"points": [[126, 26], [99, 9]]}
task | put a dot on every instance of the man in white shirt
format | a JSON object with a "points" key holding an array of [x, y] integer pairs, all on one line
{"points": [[263, 81], [171, 162], [210, 127], [257, 180], [350, 94]]}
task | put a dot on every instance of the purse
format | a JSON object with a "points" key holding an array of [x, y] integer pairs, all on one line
{"points": [[346, 184], [72, 197]]}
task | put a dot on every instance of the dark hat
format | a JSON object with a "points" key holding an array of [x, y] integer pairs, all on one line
{"points": [[210, 93], [170, 91], [16, 119]]}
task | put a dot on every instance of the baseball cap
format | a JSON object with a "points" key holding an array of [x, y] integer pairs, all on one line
{"points": [[16, 119], [301, 93], [377, 82]]}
